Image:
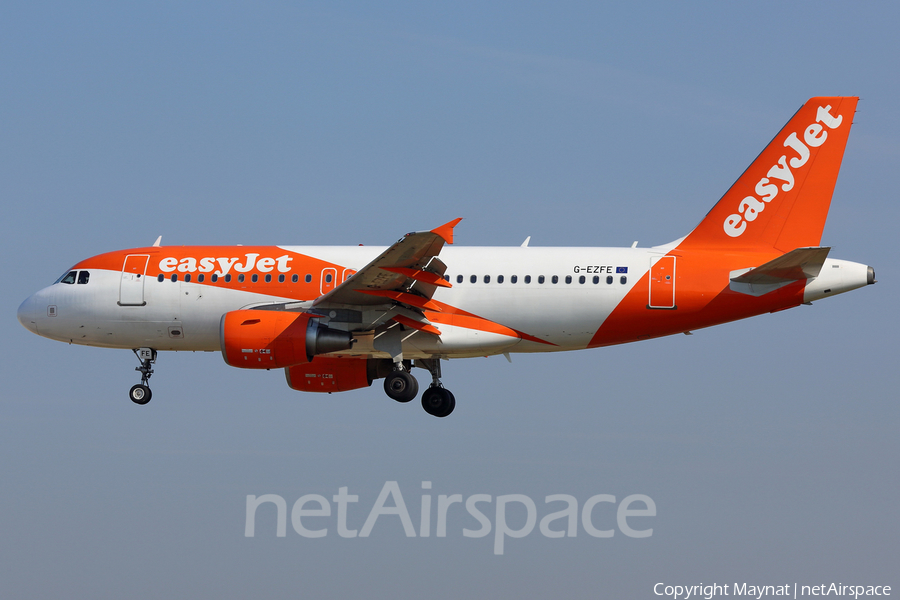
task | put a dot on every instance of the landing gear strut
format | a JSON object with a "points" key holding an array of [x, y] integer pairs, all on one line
{"points": [[437, 400], [140, 393], [400, 385]]}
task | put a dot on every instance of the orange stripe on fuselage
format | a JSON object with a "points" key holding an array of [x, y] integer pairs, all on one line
{"points": [[452, 315], [702, 299], [228, 260]]}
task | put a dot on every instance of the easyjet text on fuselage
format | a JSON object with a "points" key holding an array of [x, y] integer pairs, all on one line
{"points": [[249, 262]]}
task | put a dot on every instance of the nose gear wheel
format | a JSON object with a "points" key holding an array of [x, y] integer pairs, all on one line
{"points": [[140, 393]]}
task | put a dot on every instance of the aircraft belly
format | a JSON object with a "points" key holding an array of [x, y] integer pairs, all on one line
{"points": [[460, 341]]}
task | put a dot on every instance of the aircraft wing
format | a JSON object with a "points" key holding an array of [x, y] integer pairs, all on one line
{"points": [[408, 272]]}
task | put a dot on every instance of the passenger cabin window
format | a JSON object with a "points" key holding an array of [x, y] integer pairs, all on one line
{"points": [[68, 278], [160, 277], [487, 278], [459, 279], [281, 278], [623, 280], [269, 278], [569, 279], [228, 278], [528, 279], [473, 278], [241, 278], [200, 278], [555, 279], [596, 279], [499, 278], [174, 277], [214, 278], [540, 279], [609, 279], [254, 278], [295, 278], [581, 279], [187, 278], [513, 278], [308, 278]]}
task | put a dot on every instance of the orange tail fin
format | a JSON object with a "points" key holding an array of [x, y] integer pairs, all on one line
{"points": [[781, 201]]}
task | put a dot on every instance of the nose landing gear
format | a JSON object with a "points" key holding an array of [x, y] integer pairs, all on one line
{"points": [[140, 393]]}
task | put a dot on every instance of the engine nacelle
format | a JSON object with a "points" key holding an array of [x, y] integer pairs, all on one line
{"points": [[327, 374], [268, 339]]}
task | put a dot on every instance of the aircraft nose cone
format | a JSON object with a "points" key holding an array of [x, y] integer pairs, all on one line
{"points": [[27, 314]]}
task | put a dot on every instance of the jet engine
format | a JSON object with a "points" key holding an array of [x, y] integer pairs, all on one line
{"points": [[268, 339]]}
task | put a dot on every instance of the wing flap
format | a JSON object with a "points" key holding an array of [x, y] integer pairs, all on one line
{"points": [[420, 325], [404, 297], [420, 275]]}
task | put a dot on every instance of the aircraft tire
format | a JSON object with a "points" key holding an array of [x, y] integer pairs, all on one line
{"points": [[140, 394], [401, 386], [438, 401]]}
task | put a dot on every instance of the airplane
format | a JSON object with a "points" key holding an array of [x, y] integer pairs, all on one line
{"points": [[336, 318]]}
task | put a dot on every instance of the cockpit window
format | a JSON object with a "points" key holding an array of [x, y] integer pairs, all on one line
{"points": [[67, 278], [84, 276]]}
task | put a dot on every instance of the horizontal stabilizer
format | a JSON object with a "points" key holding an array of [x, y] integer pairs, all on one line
{"points": [[796, 265]]}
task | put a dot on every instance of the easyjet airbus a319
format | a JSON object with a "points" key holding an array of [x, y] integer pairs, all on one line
{"points": [[337, 318]]}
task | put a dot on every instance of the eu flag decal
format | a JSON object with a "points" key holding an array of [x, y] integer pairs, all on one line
{"points": [[621, 269]]}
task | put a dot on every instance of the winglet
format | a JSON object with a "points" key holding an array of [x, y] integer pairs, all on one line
{"points": [[446, 230], [157, 242]]}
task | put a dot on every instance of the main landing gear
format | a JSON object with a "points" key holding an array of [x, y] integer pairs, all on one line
{"points": [[400, 385], [140, 393], [438, 401], [403, 387]]}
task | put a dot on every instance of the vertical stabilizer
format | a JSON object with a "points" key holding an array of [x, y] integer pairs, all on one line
{"points": [[781, 201]]}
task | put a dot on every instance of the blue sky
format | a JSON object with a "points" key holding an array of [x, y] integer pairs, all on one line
{"points": [[769, 446]]}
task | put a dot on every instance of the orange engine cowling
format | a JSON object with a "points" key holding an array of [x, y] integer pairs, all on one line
{"points": [[327, 374], [268, 339]]}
